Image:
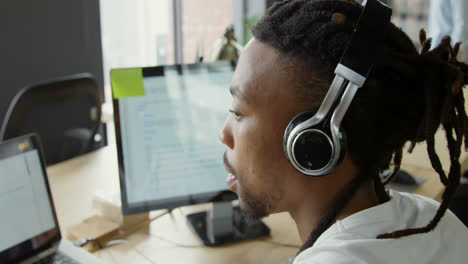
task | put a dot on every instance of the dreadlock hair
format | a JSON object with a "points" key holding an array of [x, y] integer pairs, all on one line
{"points": [[405, 98]]}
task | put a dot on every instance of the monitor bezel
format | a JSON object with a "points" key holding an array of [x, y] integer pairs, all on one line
{"points": [[174, 202], [26, 248]]}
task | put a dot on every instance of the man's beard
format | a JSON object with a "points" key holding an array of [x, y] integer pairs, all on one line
{"points": [[253, 209]]}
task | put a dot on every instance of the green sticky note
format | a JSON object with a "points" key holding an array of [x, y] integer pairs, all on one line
{"points": [[127, 82]]}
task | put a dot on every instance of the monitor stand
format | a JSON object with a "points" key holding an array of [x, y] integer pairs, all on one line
{"points": [[224, 223]]}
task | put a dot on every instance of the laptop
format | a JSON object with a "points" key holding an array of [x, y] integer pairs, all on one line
{"points": [[28, 223]]}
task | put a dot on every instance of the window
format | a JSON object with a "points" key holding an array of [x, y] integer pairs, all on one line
{"points": [[135, 34], [411, 16], [160, 32], [203, 22]]}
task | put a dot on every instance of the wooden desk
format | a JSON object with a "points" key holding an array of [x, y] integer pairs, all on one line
{"points": [[170, 239]]}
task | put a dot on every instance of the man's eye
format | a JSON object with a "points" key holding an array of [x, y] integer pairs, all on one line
{"points": [[237, 116]]}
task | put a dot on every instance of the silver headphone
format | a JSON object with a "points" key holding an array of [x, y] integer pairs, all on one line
{"points": [[314, 142]]}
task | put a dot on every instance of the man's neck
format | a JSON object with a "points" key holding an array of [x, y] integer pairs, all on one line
{"points": [[311, 210]]}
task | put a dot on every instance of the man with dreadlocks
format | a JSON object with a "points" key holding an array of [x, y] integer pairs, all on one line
{"points": [[347, 216]]}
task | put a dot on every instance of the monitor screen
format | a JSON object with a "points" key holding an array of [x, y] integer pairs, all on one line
{"points": [[167, 134]]}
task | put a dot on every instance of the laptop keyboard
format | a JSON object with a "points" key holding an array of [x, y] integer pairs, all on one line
{"points": [[57, 258]]}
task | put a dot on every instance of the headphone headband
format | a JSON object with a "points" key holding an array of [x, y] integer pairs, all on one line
{"points": [[350, 74], [359, 55]]}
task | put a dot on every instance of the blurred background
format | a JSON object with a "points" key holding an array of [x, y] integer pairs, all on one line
{"points": [[51, 38]]}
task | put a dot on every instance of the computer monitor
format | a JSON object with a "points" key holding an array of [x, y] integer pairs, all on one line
{"points": [[167, 120]]}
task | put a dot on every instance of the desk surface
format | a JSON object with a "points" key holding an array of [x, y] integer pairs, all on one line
{"points": [[170, 239]]}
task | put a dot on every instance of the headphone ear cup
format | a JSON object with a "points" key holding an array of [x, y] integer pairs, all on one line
{"points": [[344, 145], [311, 149], [298, 119]]}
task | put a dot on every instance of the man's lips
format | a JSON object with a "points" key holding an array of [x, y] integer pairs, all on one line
{"points": [[231, 179], [231, 182], [227, 165]]}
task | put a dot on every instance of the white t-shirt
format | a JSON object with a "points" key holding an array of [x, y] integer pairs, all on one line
{"points": [[353, 239]]}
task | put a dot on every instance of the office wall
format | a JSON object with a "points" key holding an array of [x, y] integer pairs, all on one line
{"points": [[46, 39]]}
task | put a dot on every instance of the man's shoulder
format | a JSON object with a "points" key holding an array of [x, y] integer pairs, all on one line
{"points": [[353, 239], [420, 248]]}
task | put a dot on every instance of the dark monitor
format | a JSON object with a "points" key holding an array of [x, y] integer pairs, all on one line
{"points": [[167, 120]]}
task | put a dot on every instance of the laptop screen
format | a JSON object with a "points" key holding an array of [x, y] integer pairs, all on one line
{"points": [[28, 221]]}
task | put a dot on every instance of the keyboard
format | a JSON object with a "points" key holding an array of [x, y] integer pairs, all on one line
{"points": [[57, 258]]}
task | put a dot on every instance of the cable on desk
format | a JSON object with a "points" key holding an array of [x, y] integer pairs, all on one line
{"points": [[143, 255], [175, 243], [116, 242], [132, 247], [200, 246], [84, 241], [114, 260], [148, 221]]}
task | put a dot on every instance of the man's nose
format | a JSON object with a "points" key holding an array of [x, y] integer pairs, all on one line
{"points": [[225, 134]]}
